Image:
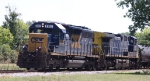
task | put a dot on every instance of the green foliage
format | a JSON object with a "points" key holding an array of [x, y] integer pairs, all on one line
{"points": [[144, 37], [138, 11], [10, 67], [13, 56], [5, 51], [5, 36], [29, 23], [12, 32], [17, 27], [11, 20], [22, 32]]}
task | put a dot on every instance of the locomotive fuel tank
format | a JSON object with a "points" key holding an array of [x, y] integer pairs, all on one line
{"points": [[75, 63], [145, 53]]}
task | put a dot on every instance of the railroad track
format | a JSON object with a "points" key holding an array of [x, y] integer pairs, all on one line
{"points": [[54, 70], [14, 71]]}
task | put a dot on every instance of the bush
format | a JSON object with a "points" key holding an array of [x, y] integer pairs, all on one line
{"points": [[6, 54], [13, 57], [5, 51]]}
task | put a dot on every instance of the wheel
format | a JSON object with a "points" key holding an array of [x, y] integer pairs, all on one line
{"points": [[79, 68], [57, 67], [35, 68], [28, 68], [86, 67], [98, 68], [51, 67], [44, 69], [91, 68]]}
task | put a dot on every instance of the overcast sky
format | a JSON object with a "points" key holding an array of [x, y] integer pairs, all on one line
{"points": [[99, 15]]}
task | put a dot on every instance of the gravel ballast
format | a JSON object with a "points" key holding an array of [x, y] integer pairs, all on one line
{"points": [[28, 74]]}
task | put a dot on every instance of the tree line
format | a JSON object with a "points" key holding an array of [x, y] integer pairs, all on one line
{"points": [[14, 30]]}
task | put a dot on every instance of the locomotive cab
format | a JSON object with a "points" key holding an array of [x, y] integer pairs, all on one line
{"points": [[44, 37], [55, 34], [106, 42]]}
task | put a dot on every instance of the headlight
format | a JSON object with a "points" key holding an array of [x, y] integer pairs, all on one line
{"points": [[24, 46], [39, 48]]}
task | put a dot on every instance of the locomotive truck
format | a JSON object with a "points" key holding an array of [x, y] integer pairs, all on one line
{"points": [[58, 45]]}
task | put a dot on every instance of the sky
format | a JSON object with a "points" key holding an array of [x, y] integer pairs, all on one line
{"points": [[98, 15]]}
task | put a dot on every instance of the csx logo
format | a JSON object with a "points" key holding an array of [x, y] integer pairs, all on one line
{"points": [[76, 41], [37, 40]]}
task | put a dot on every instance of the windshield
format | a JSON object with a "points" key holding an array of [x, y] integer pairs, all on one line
{"points": [[49, 31]]}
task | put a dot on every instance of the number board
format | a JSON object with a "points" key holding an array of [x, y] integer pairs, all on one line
{"points": [[38, 25], [48, 26], [44, 26]]}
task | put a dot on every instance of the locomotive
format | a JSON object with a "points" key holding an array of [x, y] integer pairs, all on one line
{"points": [[59, 45]]}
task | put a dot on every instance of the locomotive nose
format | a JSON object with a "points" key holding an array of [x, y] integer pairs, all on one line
{"points": [[38, 42]]}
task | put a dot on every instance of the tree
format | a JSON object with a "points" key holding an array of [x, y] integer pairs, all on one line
{"points": [[5, 36], [22, 33], [144, 37], [138, 11], [22, 30], [29, 23], [11, 20], [16, 26]]}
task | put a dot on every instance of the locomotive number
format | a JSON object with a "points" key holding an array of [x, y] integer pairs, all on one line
{"points": [[38, 26], [75, 41], [48, 26]]}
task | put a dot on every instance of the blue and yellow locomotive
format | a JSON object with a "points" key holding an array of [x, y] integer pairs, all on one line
{"points": [[58, 45], [55, 45]]}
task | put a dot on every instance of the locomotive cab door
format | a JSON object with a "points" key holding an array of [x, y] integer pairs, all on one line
{"points": [[131, 43], [106, 45]]}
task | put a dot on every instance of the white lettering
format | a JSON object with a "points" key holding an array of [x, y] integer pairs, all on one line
{"points": [[48, 26]]}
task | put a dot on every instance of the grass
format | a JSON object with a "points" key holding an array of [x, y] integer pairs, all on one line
{"points": [[82, 77], [9, 67], [118, 76]]}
